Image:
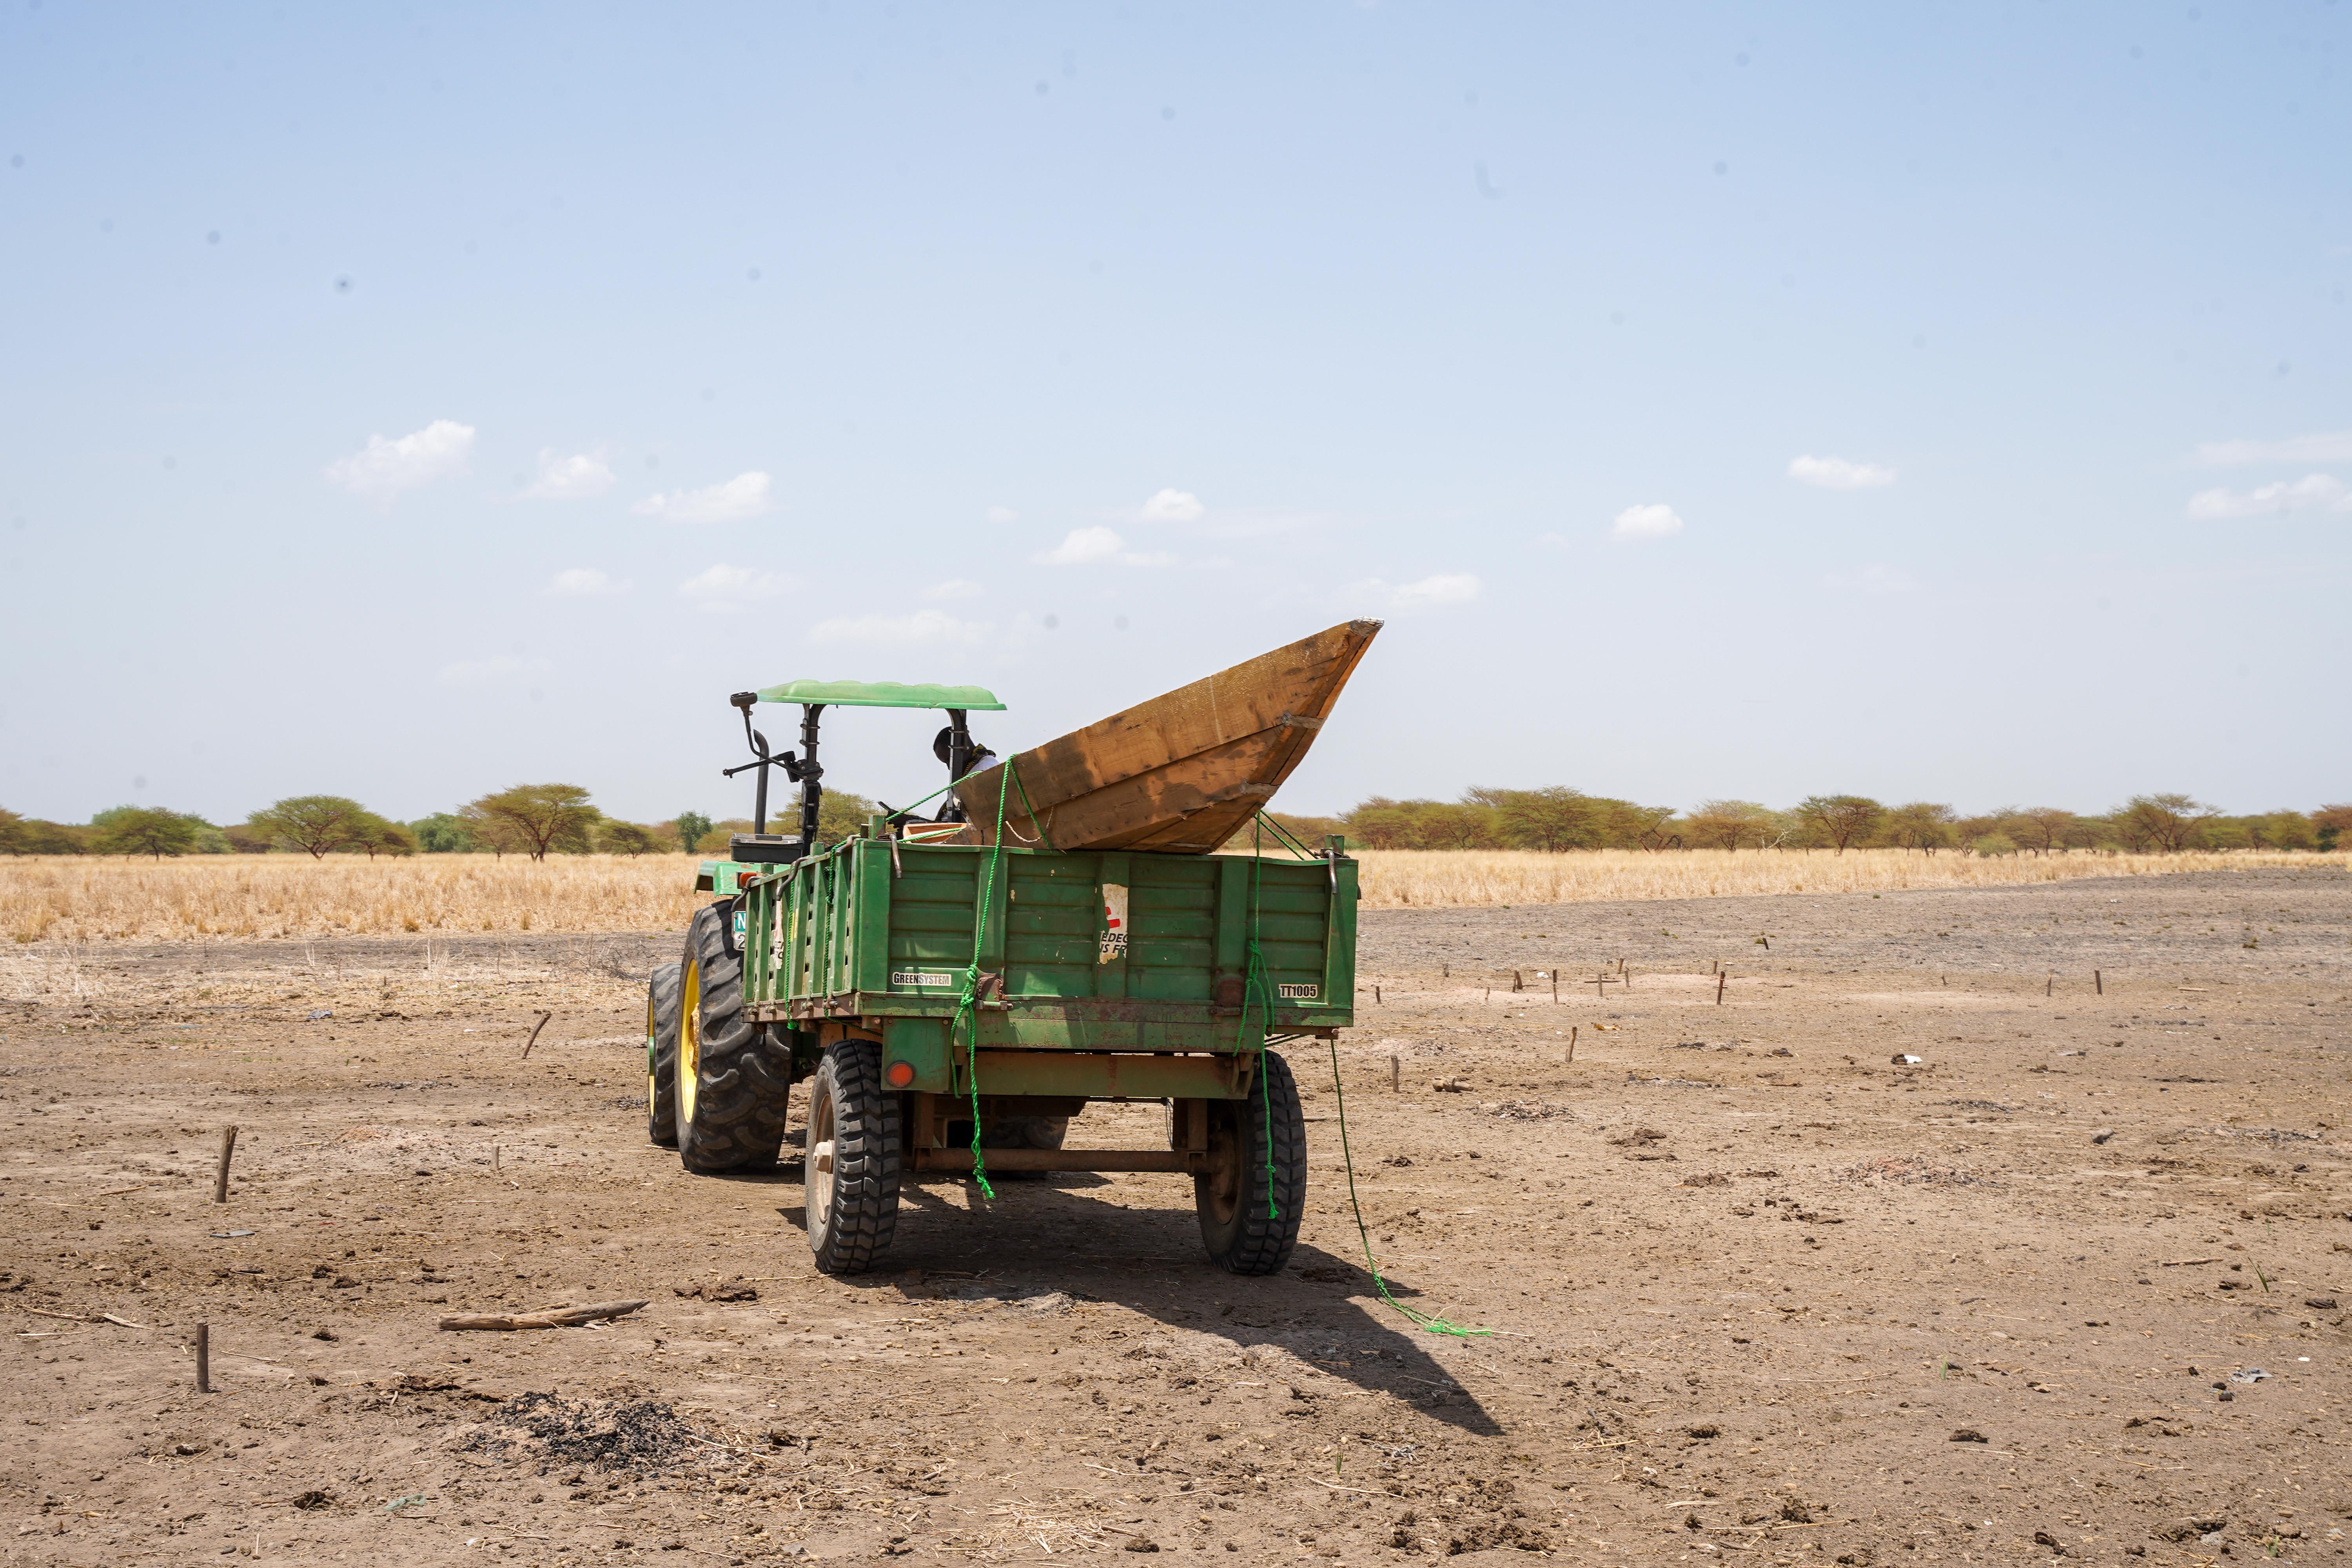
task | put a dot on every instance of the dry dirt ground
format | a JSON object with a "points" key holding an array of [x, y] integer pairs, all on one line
{"points": [[1753, 1289]]}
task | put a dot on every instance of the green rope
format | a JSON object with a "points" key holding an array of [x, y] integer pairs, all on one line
{"points": [[1256, 986], [1287, 839], [1428, 1322], [968, 1004]]}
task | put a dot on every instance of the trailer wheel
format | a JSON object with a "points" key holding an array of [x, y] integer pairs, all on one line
{"points": [[734, 1079], [1232, 1193], [855, 1148], [661, 1056]]}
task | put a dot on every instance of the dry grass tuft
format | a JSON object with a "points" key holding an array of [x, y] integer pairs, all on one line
{"points": [[89, 898]]}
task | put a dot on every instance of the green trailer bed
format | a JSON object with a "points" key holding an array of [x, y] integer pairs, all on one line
{"points": [[1101, 976]]}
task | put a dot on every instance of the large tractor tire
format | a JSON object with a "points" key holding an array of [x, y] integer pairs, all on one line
{"points": [[1246, 1138], [661, 1056], [734, 1078], [856, 1145]]}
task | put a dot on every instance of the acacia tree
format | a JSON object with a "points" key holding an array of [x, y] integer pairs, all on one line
{"points": [[1729, 824], [1922, 824], [2043, 829], [145, 830], [378, 837], [691, 826], [320, 823], [2166, 823], [624, 839], [1842, 819], [539, 817], [1552, 819]]}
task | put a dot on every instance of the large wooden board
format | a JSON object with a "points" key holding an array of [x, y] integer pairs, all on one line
{"points": [[1182, 773]]}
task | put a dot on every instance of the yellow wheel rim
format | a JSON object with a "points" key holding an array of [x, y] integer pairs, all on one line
{"points": [[689, 1041]]}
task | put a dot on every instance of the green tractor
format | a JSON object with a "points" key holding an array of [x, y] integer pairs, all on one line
{"points": [[952, 990]]}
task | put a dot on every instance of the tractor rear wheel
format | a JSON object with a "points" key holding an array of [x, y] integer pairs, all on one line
{"points": [[857, 1145], [1251, 1196], [734, 1078], [661, 1056]]}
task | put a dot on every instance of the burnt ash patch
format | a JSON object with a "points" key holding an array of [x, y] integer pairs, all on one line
{"points": [[614, 1435]]}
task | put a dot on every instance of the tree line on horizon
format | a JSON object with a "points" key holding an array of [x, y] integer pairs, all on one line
{"points": [[532, 820], [1557, 818], [537, 820]]}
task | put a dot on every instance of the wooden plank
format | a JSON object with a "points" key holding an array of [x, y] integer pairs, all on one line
{"points": [[1181, 773]]}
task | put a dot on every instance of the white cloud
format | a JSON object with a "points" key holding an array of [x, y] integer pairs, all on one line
{"points": [[1429, 592], [725, 587], [583, 476], [953, 588], [745, 495], [1839, 473], [1457, 588], [1874, 578], [1656, 521], [583, 582], [1171, 506], [1098, 547], [922, 628], [2312, 492], [504, 666], [1003, 514], [2326, 447], [382, 469]]}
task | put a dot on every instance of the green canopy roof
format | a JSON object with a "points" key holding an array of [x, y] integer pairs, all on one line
{"points": [[880, 694]]}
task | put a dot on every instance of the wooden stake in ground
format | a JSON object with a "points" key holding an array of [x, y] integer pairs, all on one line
{"points": [[220, 1180], [1555, 985], [1722, 978], [2098, 984], [1602, 980], [1571, 1043], [553, 1317], [204, 1358], [535, 1029], [2050, 985], [1517, 983], [1394, 1072], [1376, 993]]}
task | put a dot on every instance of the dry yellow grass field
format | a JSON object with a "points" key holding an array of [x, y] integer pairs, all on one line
{"points": [[246, 898]]}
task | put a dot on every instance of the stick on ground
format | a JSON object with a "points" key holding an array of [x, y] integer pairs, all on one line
{"points": [[229, 1147], [204, 1358], [551, 1318], [535, 1029]]}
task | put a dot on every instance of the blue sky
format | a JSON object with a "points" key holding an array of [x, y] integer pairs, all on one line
{"points": [[1715, 400]]}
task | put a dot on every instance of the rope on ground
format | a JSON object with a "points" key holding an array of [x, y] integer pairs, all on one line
{"points": [[1425, 1321]]}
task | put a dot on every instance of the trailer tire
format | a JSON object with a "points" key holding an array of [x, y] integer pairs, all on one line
{"points": [[661, 1056], [734, 1078], [1244, 1137], [856, 1147]]}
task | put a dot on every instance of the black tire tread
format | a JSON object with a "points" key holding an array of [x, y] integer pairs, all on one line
{"points": [[745, 1089], [1262, 1244], [661, 1051], [868, 1148]]}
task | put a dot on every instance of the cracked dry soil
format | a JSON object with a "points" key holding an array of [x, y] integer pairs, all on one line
{"points": [[1756, 1290]]}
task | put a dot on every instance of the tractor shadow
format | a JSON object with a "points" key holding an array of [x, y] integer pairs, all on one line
{"points": [[1044, 1243]]}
